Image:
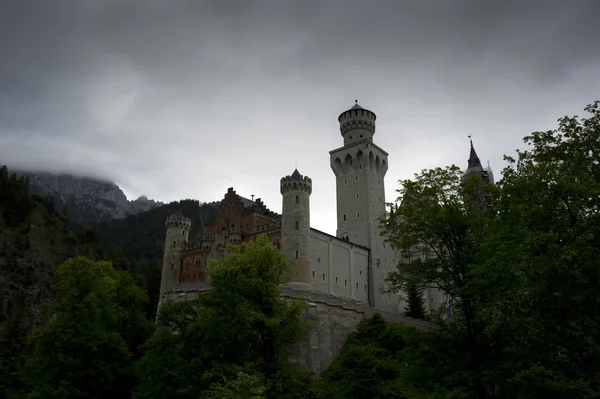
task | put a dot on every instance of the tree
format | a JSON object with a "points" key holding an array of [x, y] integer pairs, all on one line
{"points": [[240, 332], [546, 306], [95, 330], [415, 303], [441, 238]]}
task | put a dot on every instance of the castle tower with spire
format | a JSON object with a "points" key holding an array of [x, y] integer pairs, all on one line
{"points": [[480, 176], [295, 224]]}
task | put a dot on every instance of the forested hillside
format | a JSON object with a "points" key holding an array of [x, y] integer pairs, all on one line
{"points": [[34, 241]]}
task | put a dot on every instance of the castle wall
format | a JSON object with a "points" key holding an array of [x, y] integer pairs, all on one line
{"points": [[338, 267], [335, 319]]}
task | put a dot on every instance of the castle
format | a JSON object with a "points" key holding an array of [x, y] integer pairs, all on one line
{"points": [[342, 276]]}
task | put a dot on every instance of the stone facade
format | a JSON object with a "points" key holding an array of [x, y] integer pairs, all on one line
{"points": [[342, 277]]}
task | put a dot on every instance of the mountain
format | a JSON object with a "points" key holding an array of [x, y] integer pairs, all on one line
{"points": [[86, 200]]}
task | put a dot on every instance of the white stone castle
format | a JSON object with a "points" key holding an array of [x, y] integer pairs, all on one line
{"points": [[342, 276]]}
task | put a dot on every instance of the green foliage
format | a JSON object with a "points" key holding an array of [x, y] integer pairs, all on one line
{"points": [[441, 238], [240, 333], [14, 197], [546, 312], [386, 360], [415, 306], [93, 336]]}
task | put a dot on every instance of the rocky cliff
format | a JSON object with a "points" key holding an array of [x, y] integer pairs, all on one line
{"points": [[86, 200]]}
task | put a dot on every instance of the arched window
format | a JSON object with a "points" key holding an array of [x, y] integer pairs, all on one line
{"points": [[378, 263]]}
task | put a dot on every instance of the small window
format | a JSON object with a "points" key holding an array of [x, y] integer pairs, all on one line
{"points": [[350, 137], [313, 274], [345, 181], [358, 215], [297, 225], [365, 287], [356, 178], [182, 232], [346, 283], [361, 136], [361, 272], [323, 276], [336, 280], [277, 244], [318, 260], [356, 285], [172, 266], [344, 217], [373, 206], [372, 188], [174, 244], [296, 254], [378, 263], [297, 199], [356, 195]]}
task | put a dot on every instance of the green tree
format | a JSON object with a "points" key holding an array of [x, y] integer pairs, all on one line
{"points": [[240, 332], [415, 306], [545, 314], [94, 332], [441, 238]]}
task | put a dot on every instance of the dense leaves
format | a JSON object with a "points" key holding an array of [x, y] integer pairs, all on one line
{"points": [[240, 333], [524, 274], [94, 334]]}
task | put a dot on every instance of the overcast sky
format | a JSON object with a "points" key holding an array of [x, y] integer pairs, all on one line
{"points": [[183, 99]]}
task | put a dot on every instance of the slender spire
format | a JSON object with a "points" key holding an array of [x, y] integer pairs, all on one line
{"points": [[474, 161]]}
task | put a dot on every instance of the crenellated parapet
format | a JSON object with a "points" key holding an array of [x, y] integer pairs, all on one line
{"points": [[357, 118], [296, 182], [178, 221]]}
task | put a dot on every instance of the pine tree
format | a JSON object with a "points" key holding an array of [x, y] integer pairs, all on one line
{"points": [[416, 305]]}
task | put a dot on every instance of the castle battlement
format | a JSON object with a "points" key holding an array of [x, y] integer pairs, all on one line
{"points": [[296, 181], [177, 220]]}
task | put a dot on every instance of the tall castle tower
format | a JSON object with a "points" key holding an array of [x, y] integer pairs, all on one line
{"points": [[295, 224], [178, 229], [360, 167]]}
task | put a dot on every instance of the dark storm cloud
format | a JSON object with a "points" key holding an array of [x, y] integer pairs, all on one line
{"points": [[175, 99]]}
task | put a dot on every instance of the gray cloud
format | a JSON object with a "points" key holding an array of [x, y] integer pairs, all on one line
{"points": [[186, 98]]}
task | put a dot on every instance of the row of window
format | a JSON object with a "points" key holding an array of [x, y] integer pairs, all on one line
{"points": [[337, 280], [355, 179]]}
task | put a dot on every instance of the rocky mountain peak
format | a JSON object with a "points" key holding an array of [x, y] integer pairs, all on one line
{"points": [[87, 200]]}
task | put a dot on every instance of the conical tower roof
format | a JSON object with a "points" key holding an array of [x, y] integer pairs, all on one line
{"points": [[474, 161]]}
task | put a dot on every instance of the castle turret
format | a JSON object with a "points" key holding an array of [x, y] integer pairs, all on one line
{"points": [[295, 224], [481, 175], [357, 124], [177, 232]]}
